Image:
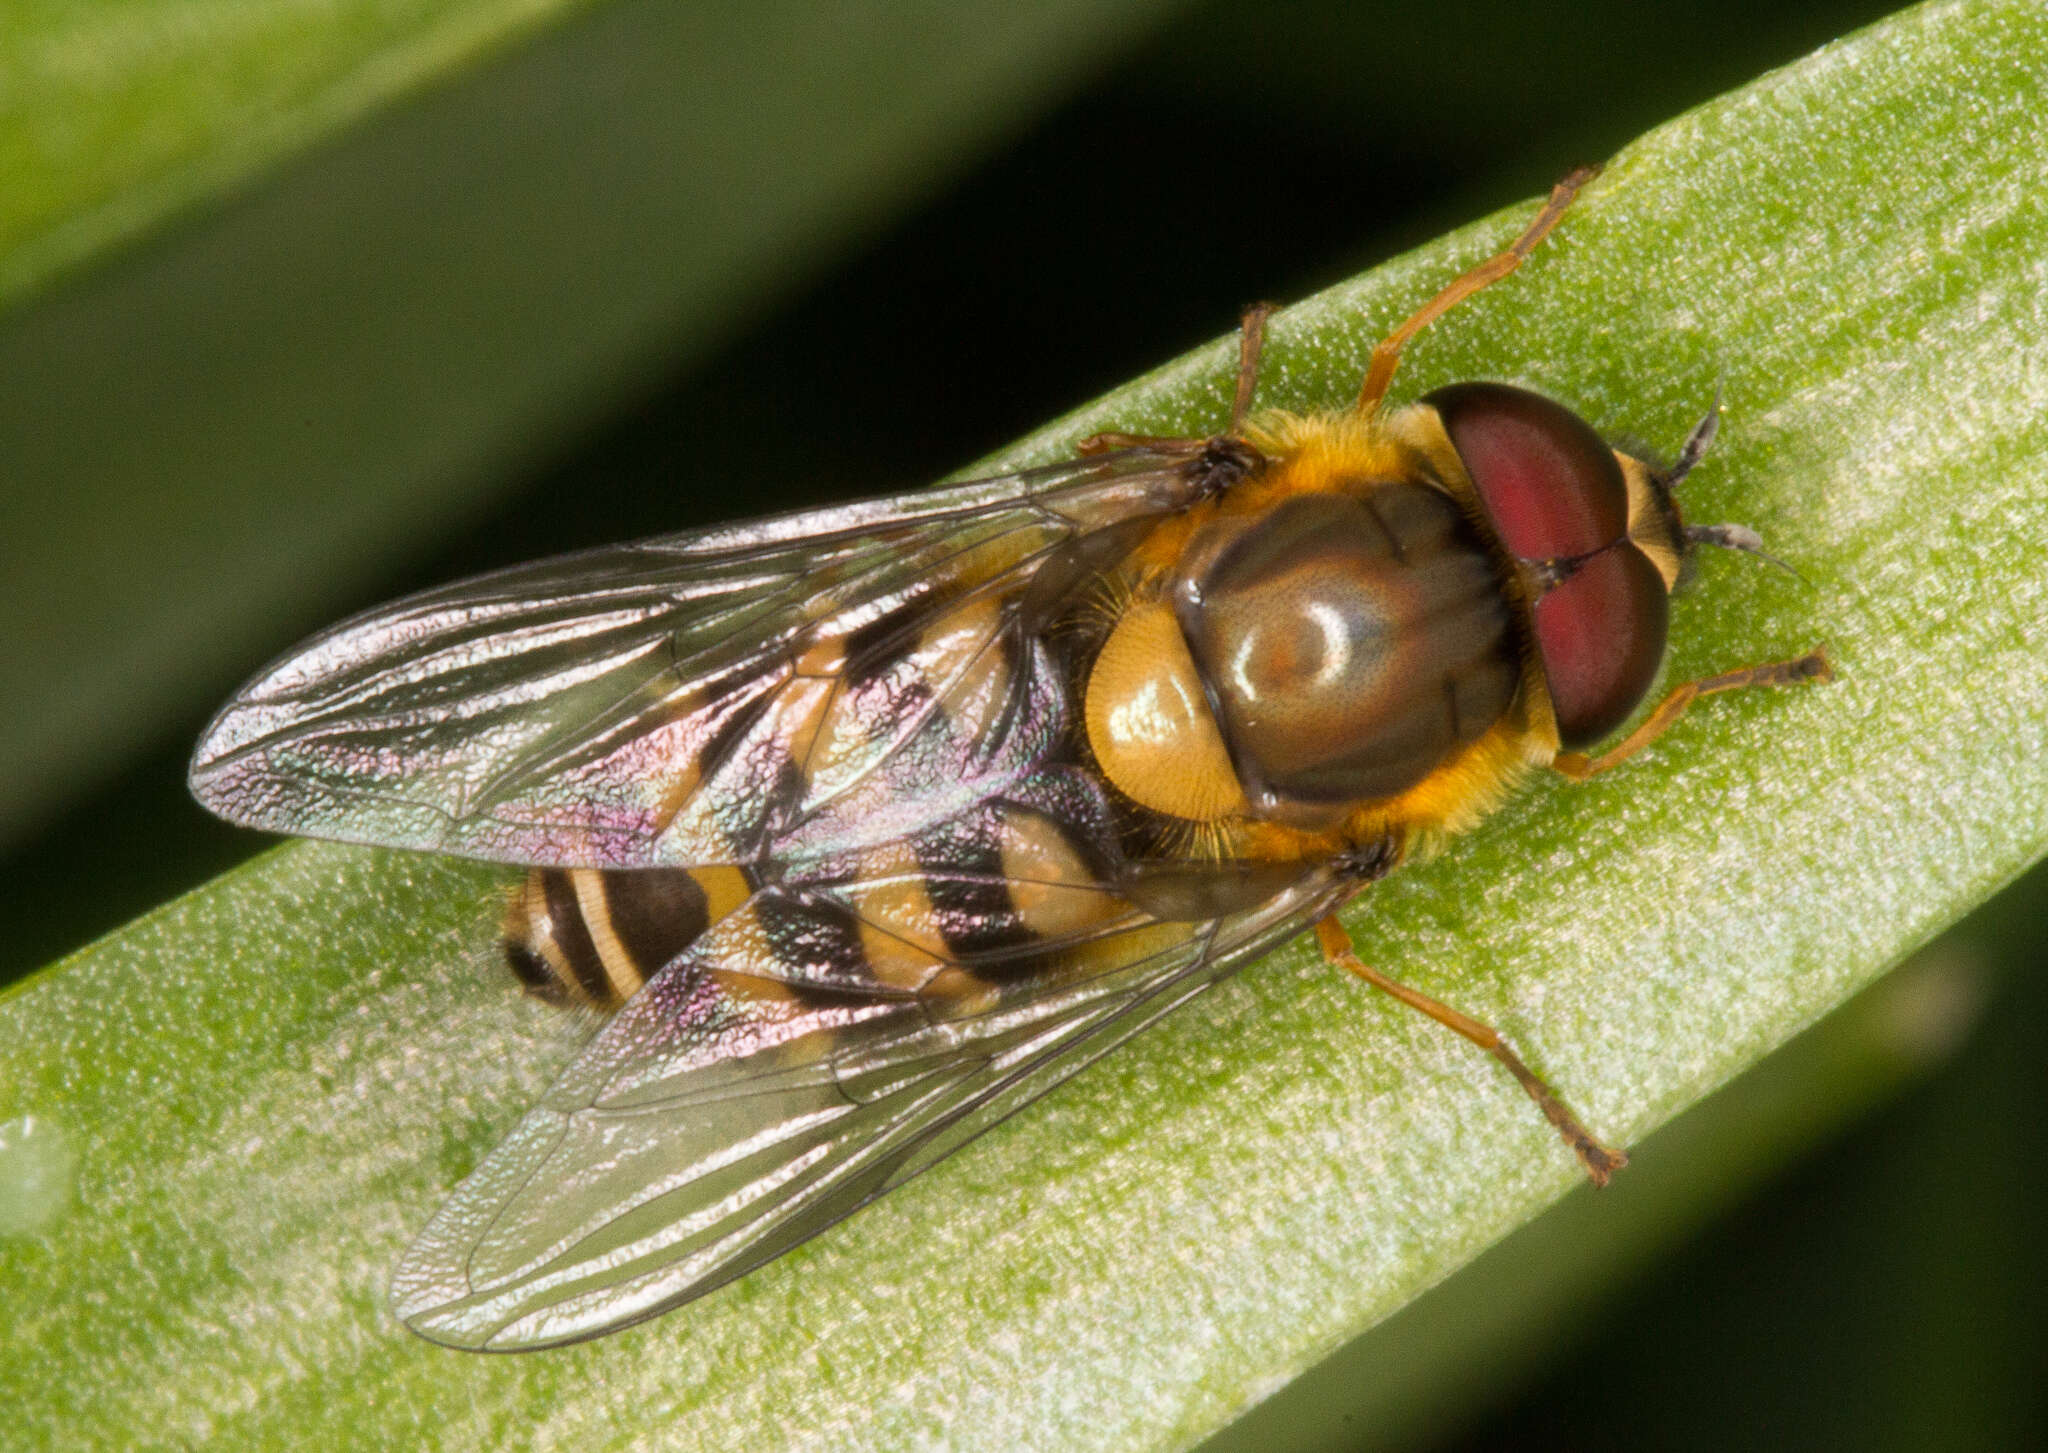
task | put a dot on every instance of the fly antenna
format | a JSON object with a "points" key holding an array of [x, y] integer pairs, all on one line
{"points": [[1697, 443], [1739, 537]]}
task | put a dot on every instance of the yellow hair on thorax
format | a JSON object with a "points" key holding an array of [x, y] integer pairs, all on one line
{"points": [[1332, 451], [1338, 453]]}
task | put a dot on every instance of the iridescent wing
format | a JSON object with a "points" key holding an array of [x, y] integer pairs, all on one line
{"points": [[734, 1109], [639, 705]]}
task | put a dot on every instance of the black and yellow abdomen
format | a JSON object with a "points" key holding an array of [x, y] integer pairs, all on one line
{"points": [[949, 916], [582, 938]]}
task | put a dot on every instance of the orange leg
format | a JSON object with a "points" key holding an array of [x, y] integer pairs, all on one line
{"points": [[1600, 1161], [1251, 342], [1111, 441], [1813, 666], [1387, 356]]}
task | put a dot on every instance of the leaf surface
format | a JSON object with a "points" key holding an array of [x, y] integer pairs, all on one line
{"points": [[247, 1102]]}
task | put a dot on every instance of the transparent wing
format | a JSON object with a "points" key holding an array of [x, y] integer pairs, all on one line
{"points": [[636, 705], [719, 1121]]}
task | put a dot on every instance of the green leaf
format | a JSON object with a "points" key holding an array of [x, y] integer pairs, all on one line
{"points": [[285, 289], [119, 115], [1447, 1358], [225, 1121]]}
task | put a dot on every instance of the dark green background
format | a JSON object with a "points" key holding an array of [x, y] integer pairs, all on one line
{"points": [[1882, 1293]]}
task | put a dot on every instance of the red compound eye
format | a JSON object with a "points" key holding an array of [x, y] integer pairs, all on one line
{"points": [[1552, 489]]}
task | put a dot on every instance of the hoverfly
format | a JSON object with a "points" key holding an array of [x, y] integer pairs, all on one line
{"points": [[866, 826]]}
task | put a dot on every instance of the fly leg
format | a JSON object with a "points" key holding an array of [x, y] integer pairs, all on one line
{"points": [[1386, 357], [1600, 1161], [1109, 441], [1813, 666], [1251, 343]]}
